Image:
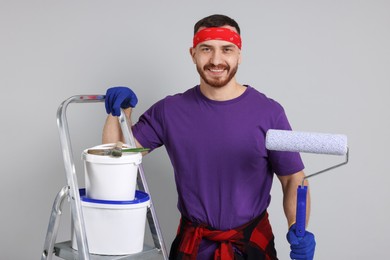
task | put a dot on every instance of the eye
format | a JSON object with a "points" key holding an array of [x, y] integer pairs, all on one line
{"points": [[205, 49], [228, 50]]}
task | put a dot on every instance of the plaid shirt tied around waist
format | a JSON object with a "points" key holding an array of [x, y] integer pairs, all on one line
{"points": [[253, 240]]}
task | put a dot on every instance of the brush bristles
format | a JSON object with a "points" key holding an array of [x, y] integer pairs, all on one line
{"points": [[116, 153], [117, 150]]}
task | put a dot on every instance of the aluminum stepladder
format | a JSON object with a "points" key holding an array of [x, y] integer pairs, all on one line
{"points": [[64, 250]]}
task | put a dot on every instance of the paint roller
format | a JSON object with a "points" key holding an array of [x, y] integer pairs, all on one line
{"points": [[307, 142]]}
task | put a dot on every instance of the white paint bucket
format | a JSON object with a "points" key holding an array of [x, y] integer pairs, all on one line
{"points": [[111, 178], [114, 227]]}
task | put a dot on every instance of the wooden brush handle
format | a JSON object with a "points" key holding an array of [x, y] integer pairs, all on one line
{"points": [[118, 145]]}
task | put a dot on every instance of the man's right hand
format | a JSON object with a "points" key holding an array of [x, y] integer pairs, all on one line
{"points": [[119, 97]]}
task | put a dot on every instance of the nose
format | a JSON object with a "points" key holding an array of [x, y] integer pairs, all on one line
{"points": [[216, 57]]}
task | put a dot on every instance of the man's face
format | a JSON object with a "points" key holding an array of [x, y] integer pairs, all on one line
{"points": [[216, 61]]}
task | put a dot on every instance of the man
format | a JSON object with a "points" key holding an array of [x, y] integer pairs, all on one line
{"points": [[214, 134]]}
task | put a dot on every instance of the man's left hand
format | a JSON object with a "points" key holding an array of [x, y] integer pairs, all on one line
{"points": [[301, 247]]}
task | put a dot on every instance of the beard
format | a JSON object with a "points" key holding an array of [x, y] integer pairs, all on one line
{"points": [[220, 81]]}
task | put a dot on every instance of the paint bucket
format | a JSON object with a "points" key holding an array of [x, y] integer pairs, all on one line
{"points": [[114, 227], [111, 178]]}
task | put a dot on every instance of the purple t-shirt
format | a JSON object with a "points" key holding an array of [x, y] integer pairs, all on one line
{"points": [[222, 169]]}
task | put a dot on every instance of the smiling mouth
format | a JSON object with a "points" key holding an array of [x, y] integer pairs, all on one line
{"points": [[216, 70]]}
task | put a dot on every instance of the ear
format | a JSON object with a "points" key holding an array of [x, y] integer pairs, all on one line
{"points": [[239, 57], [192, 53]]}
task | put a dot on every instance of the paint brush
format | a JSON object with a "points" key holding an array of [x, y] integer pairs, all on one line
{"points": [[117, 150]]}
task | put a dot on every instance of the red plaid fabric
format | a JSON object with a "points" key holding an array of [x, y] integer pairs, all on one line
{"points": [[253, 240]]}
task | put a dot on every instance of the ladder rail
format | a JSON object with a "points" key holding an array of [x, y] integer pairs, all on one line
{"points": [[75, 203], [143, 186], [54, 222]]}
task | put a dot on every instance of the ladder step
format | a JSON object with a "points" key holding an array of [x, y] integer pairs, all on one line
{"points": [[64, 250]]}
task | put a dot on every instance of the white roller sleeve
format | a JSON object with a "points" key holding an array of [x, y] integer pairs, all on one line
{"points": [[293, 141]]}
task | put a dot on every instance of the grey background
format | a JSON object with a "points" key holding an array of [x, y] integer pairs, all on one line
{"points": [[327, 62]]}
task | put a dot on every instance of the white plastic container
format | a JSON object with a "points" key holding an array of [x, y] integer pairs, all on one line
{"points": [[111, 178], [114, 227]]}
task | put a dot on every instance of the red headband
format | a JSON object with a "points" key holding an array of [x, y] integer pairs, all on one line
{"points": [[217, 33]]}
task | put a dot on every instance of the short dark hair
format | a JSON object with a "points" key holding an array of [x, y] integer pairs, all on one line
{"points": [[216, 20]]}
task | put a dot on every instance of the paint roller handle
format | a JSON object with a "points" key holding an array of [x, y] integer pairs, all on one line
{"points": [[301, 211], [302, 242]]}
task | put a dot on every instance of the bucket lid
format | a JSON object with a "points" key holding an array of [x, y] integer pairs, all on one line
{"points": [[126, 158], [140, 197], [141, 200]]}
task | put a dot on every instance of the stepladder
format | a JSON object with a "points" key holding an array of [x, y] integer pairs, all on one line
{"points": [[70, 192]]}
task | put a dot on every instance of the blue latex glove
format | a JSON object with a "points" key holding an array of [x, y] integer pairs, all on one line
{"points": [[119, 97], [301, 247]]}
